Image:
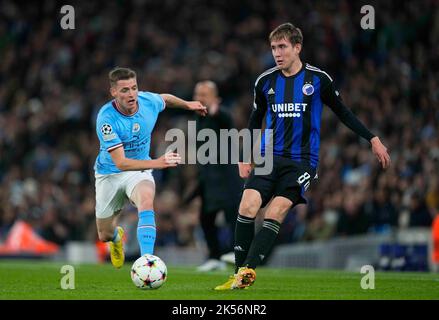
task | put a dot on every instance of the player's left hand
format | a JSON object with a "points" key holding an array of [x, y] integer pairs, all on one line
{"points": [[380, 151], [197, 107]]}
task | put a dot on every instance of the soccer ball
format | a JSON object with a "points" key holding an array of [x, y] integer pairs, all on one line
{"points": [[149, 272]]}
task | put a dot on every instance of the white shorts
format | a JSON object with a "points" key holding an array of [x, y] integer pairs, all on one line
{"points": [[113, 190]]}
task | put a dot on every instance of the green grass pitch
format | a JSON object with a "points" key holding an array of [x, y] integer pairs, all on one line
{"points": [[42, 280]]}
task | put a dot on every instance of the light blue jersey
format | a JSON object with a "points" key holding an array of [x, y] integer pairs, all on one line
{"points": [[133, 132]]}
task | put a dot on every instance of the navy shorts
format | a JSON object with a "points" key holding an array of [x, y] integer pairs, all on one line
{"points": [[289, 179]]}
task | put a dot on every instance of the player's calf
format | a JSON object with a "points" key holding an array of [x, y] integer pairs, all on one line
{"points": [[105, 235]]}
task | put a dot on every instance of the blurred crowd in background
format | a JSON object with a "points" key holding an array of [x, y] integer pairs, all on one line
{"points": [[53, 82]]}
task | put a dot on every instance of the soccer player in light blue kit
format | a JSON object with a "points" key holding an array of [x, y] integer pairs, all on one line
{"points": [[123, 166]]}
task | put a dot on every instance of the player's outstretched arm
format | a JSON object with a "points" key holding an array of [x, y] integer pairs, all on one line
{"points": [[351, 121], [175, 102], [167, 160], [332, 99]]}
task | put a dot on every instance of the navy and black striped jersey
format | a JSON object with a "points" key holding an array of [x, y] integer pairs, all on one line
{"points": [[293, 107]]}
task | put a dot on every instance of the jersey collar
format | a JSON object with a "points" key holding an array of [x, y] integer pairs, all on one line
{"points": [[118, 109], [294, 75]]}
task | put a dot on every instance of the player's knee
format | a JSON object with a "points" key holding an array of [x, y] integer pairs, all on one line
{"points": [[248, 209]]}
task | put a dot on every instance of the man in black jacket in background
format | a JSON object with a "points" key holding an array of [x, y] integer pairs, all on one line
{"points": [[220, 186]]}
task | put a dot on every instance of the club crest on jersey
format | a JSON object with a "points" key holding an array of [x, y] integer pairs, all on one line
{"points": [[136, 127], [308, 89]]}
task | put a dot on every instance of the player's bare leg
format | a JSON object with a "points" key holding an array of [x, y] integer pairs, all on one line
{"points": [[278, 209], [250, 203], [109, 232]]}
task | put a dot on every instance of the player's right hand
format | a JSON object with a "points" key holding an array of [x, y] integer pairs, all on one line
{"points": [[244, 169], [197, 107], [169, 159]]}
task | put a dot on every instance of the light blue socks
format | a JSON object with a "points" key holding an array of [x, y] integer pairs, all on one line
{"points": [[116, 236], [146, 232]]}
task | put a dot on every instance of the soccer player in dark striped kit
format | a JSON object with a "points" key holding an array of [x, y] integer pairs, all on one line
{"points": [[291, 97]]}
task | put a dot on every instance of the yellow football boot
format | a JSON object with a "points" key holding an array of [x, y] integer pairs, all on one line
{"points": [[116, 250], [245, 277], [228, 285]]}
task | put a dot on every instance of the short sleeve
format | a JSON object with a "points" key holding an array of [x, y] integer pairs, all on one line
{"points": [[106, 131], [155, 100], [160, 103]]}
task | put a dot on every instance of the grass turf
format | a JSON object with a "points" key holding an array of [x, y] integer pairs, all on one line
{"points": [[42, 280]]}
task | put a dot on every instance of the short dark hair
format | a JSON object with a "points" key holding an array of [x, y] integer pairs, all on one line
{"points": [[287, 31], [119, 73]]}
